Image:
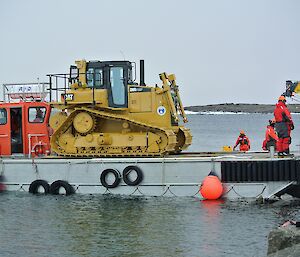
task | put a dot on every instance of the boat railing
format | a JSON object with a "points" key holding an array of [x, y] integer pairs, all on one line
{"points": [[59, 84], [16, 92]]}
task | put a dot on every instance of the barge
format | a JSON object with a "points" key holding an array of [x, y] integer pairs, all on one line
{"points": [[99, 132], [243, 175]]}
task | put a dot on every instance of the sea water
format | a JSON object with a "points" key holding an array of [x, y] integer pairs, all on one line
{"points": [[103, 225], [211, 132]]}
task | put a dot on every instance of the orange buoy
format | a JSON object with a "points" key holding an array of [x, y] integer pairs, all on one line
{"points": [[211, 188]]}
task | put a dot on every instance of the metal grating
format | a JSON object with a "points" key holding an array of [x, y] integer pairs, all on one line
{"points": [[255, 171]]}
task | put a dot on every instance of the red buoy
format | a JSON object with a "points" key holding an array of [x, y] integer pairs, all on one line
{"points": [[211, 188]]}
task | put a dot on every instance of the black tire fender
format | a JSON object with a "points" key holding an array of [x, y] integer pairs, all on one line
{"points": [[56, 185], [33, 188], [139, 175], [104, 175]]}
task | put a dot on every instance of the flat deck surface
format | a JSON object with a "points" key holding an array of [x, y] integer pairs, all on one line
{"points": [[191, 156]]}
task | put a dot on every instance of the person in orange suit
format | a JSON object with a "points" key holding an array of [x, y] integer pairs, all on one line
{"points": [[284, 124], [271, 138], [243, 141]]}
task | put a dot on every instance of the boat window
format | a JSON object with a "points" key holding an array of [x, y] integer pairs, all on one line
{"points": [[3, 116], [36, 114], [117, 85]]}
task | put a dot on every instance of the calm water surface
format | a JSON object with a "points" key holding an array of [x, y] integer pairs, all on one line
{"points": [[97, 225], [212, 132]]}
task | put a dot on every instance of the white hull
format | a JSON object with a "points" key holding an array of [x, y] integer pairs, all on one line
{"points": [[169, 176]]}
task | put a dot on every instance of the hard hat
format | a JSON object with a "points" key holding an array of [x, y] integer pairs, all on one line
{"points": [[281, 98], [242, 132]]}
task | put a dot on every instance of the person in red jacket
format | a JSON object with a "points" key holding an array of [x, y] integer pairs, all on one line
{"points": [[243, 141], [271, 138], [284, 124]]}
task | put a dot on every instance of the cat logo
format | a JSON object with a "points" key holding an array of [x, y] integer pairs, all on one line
{"points": [[69, 97]]}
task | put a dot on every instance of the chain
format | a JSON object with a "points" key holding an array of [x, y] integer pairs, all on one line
{"points": [[246, 196]]}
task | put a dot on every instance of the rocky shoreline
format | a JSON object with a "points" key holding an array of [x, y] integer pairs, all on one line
{"points": [[240, 108], [284, 241]]}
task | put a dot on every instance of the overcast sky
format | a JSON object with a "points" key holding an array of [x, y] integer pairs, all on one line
{"points": [[221, 51]]}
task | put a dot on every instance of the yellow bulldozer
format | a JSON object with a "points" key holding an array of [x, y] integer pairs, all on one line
{"points": [[103, 112]]}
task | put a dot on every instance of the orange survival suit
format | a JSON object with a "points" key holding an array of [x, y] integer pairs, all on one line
{"points": [[271, 138], [243, 141], [284, 124]]}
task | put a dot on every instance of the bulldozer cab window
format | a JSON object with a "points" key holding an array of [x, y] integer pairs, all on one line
{"points": [[94, 77], [118, 88], [73, 74]]}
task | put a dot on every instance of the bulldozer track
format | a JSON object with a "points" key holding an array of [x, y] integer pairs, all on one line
{"points": [[104, 151], [188, 137]]}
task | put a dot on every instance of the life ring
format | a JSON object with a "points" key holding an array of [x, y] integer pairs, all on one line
{"points": [[56, 185], [127, 179], [34, 186], [116, 181]]}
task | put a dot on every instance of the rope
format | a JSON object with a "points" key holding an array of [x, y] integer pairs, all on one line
{"points": [[137, 189], [231, 188], [165, 191], [21, 188], [246, 196], [34, 165], [168, 189], [77, 188], [134, 191], [197, 191], [107, 190], [68, 169]]}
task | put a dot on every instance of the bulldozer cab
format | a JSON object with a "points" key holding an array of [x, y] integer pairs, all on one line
{"points": [[113, 76]]}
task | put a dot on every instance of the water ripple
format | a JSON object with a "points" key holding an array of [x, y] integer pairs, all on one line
{"points": [[96, 225]]}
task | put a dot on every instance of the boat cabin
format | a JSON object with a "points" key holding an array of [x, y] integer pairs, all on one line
{"points": [[24, 119]]}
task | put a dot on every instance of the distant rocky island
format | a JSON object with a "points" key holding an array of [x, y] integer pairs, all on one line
{"points": [[240, 108]]}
